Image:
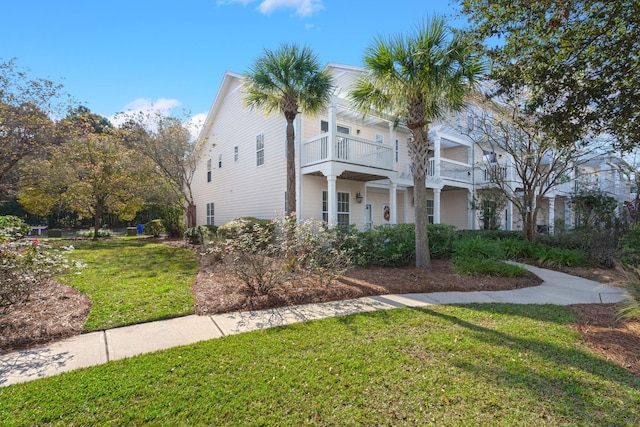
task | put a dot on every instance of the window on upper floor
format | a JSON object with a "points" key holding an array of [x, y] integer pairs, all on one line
{"points": [[235, 153], [397, 150], [260, 150], [379, 138], [324, 128], [210, 214], [219, 161], [489, 156], [470, 118], [209, 170]]}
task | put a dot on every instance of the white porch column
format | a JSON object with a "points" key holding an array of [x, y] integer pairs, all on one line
{"points": [[552, 214], [332, 131], [392, 140], [406, 206], [436, 159], [393, 202], [509, 215], [471, 217], [436, 205], [299, 183], [332, 200]]}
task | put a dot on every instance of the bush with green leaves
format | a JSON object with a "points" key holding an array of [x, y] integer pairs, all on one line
{"points": [[12, 228], [153, 228], [555, 257], [102, 232], [387, 246], [474, 266], [477, 247], [256, 258], [490, 234], [241, 226], [24, 266], [517, 249], [199, 235], [320, 251]]}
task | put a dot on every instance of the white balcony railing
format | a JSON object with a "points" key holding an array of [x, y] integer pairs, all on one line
{"points": [[450, 169], [347, 149]]}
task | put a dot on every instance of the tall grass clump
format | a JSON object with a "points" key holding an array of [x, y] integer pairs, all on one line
{"points": [[475, 255]]}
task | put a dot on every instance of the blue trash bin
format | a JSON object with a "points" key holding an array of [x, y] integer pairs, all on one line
{"points": [[140, 228]]}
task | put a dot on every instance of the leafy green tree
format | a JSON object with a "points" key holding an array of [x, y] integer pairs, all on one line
{"points": [[168, 144], [90, 173], [578, 59], [26, 129], [417, 79], [289, 81]]}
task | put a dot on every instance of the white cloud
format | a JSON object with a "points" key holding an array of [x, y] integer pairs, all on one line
{"points": [[302, 7], [143, 107], [195, 123]]}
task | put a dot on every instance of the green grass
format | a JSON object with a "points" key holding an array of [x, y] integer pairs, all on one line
{"points": [[512, 365], [131, 281]]}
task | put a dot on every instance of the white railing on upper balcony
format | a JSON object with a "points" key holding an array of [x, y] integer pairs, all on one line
{"points": [[347, 149], [450, 169]]}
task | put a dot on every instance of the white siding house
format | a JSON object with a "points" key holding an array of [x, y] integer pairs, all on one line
{"points": [[350, 169]]}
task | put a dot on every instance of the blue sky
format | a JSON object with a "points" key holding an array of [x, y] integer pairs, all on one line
{"points": [[142, 54]]}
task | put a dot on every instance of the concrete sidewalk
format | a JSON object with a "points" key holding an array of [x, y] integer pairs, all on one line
{"points": [[100, 347]]}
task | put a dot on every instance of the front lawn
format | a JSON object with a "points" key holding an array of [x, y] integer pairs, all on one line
{"points": [[132, 281], [487, 364]]}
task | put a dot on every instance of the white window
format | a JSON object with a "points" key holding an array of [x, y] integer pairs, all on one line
{"points": [[470, 118], [235, 153], [344, 217], [219, 161], [210, 214], [430, 211], [397, 151], [209, 170], [324, 128], [260, 150], [379, 138]]}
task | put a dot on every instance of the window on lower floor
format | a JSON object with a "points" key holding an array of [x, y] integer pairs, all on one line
{"points": [[210, 214], [430, 210], [344, 207]]}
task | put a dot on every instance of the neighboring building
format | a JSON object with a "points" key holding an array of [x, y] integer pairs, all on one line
{"points": [[351, 169]]}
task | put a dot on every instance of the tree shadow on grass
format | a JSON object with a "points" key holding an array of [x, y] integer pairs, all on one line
{"points": [[561, 356]]}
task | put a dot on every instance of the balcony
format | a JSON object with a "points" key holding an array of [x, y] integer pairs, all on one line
{"points": [[449, 169], [347, 149]]}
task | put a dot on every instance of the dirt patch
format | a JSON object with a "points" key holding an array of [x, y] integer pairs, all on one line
{"points": [[53, 312], [618, 342]]}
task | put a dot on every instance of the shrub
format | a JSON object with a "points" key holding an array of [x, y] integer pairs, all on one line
{"points": [[490, 234], [562, 257], [255, 259], [477, 247], [154, 228], [102, 232], [12, 228], [518, 249], [319, 253], [492, 267], [198, 235], [387, 246], [631, 309], [241, 226], [441, 238], [172, 220], [25, 265]]}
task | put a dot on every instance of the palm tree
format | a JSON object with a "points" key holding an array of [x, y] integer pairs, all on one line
{"points": [[288, 80], [418, 79]]}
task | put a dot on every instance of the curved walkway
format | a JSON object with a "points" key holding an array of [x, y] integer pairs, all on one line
{"points": [[100, 347]]}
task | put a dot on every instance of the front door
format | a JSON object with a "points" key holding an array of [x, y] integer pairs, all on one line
{"points": [[368, 217]]}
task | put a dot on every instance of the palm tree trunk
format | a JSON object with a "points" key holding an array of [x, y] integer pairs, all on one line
{"points": [[419, 151], [291, 167]]}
